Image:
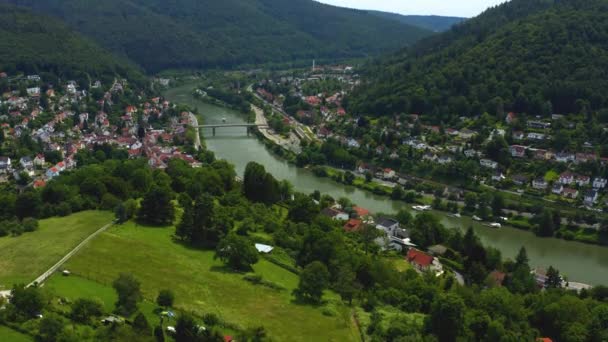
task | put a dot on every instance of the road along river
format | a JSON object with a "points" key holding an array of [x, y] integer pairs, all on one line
{"points": [[578, 261]]}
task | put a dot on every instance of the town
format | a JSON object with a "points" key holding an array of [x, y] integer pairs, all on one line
{"points": [[44, 126], [539, 159]]}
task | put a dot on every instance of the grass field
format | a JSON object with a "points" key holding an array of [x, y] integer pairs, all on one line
{"points": [[24, 258], [10, 335], [203, 285], [74, 287]]}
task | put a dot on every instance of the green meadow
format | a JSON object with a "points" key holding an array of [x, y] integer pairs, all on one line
{"points": [[25, 257], [203, 285]]}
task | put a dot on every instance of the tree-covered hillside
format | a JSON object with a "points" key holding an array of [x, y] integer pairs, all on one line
{"points": [[208, 33], [33, 43], [537, 57], [435, 23]]}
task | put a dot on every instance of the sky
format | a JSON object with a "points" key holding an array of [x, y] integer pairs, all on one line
{"points": [[458, 8]]}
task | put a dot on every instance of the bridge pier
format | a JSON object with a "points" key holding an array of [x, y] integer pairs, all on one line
{"points": [[213, 129]]}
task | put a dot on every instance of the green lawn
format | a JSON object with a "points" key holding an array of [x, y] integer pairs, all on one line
{"points": [[74, 287], [203, 285], [24, 258], [10, 335]]}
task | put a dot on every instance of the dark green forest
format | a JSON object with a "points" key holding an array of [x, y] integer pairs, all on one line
{"points": [[35, 44], [435, 23], [537, 57], [199, 34]]}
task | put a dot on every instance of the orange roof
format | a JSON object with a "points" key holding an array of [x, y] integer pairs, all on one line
{"points": [[420, 258], [361, 211]]}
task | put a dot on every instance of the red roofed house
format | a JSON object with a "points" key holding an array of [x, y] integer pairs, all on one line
{"points": [[353, 225], [39, 183], [313, 100], [544, 339], [361, 212], [424, 262]]}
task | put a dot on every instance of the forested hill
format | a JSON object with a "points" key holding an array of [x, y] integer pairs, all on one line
{"points": [[434, 23], [160, 34], [33, 44], [531, 56]]}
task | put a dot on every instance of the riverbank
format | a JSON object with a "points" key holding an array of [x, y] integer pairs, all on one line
{"points": [[580, 262]]}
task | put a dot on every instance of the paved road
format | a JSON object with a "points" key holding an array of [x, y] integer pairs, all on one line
{"points": [[44, 276]]}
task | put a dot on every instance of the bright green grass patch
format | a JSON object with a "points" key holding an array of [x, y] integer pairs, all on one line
{"points": [[203, 285], [75, 287], [551, 176], [24, 258], [9, 335]]}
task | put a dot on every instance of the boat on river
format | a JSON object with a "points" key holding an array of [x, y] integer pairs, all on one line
{"points": [[476, 218], [495, 225], [421, 207], [454, 215]]}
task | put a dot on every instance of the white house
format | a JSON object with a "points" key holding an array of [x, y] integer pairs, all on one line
{"points": [[5, 163], [600, 183], [488, 163], [388, 174], [566, 178], [498, 177], [517, 151], [539, 184], [557, 189], [26, 162], [591, 197], [564, 157]]}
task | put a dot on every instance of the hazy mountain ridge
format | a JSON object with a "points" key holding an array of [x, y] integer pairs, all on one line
{"points": [[198, 34]]}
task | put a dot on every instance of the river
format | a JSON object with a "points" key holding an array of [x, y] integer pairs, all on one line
{"points": [[579, 262]]}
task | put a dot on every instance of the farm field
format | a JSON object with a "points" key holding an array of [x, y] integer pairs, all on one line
{"points": [[25, 257], [201, 284]]}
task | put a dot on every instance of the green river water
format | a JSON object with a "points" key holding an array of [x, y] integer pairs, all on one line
{"points": [[579, 262]]}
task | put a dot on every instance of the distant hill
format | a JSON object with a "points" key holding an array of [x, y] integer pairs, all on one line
{"points": [[33, 43], [434, 23], [159, 34], [532, 56]]}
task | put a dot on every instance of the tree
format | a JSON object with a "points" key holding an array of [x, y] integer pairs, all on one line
{"points": [[27, 205], [303, 209], [260, 186], [186, 329], [141, 325], [553, 280], [498, 203], [546, 226], [84, 309], [165, 298], [349, 178], [237, 252], [397, 193], [120, 213], [156, 207], [345, 284], [404, 217], [29, 224], [129, 293], [26, 302], [446, 317], [159, 335], [314, 279], [50, 328]]}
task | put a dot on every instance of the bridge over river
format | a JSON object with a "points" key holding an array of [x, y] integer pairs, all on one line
{"points": [[248, 126]]}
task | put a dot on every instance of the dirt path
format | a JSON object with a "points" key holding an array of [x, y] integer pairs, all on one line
{"points": [[44, 276]]}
